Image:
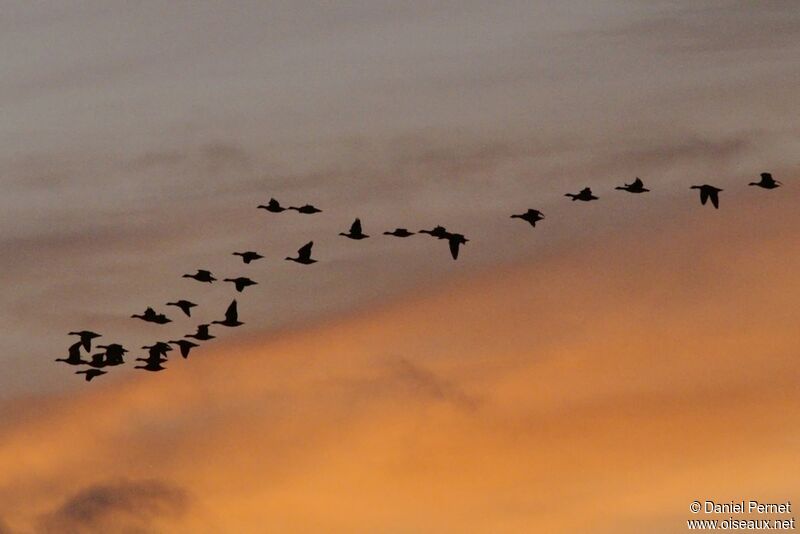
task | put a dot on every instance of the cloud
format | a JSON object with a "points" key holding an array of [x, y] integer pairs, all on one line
{"points": [[125, 506]]}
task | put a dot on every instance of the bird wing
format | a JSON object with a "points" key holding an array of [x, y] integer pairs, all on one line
{"points": [[355, 228], [454, 244], [714, 199], [586, 191], [637, 182], [231, 314], [75, 350], [703, 196], [304, 252]]}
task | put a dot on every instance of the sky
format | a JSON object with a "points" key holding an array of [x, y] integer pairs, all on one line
{"points": [[576, 377]]}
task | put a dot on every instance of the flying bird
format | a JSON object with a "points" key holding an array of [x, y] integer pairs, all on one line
{"points": [[89, 374], [185, 345], [308, 209], [637, 186], [151, 316], [114, 353], [150, 365], [767, 181], [455, 240], [201, 334], [98, 361], [304, 255], [531, 216], [184, 305], [241, 283], [201, 276], [73, 355], [399, 232], [437, 231], [86, 338], [248, 256], [708, 192], [355, 231], [585, 195], [231, 317], [273, 206]]}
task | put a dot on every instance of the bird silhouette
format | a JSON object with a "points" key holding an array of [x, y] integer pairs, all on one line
{"points": [[231, 317], [86, 338], [90, 374], [73, 355], [185, 345], [241, 283], [455, 240], [184, 305], [97, 361], [114, 353], [355, 231], [201, 276], [437, 231], [273, 205], [248, 256], [201, 334], [308, 209], [708, 192], [304, 255], [156, 354], [151, 365], [399, 232], [151, 316], [585, 195], [531, 216], [637, 186], [767, 181]]}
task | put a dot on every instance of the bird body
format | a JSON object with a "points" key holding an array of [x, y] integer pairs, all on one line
{"points": [[585, 195], [273, 206], [455, 241], [185, 346], [767, 181], [89, 374], [201, 334], [151, 316], [307, 209], [86, 338], [114, 353], [637, 186], [531, 216], [202, 275], [184, 305], [437, 231], [231, 317], [708, 192], [241, 283], [355, 231], [304, 255], [248, 256], [73, 355], [399, 232]]}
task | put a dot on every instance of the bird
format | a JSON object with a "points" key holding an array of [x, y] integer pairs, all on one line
{"points": [[637, 186], [355, 231], [89, 374], [304, 255], [151, 365], [399, 232], [86, 338], [241, 283], [98, 361], [585, 195], [156, 355], [531, 216], [151, 316], [455, 240], [307, 209], [437, 231], [273, 206], [202, 276], [73, 355], [201, 334], [185, 306], [767, 181], [231, 317], [248, 256], [185, 345], [114, 353], [706, 192]]}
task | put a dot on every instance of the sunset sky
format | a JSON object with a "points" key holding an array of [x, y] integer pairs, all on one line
{"points": [[594, 374]]}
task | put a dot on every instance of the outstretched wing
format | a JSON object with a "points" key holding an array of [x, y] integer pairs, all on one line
{"points": [[703, 196], [454, 244], [715, 199], [232, 314], [355, 228], [637, 182], [304, 252]]}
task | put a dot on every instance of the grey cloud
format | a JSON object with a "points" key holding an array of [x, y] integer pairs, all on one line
{"points": [[120, 506]]}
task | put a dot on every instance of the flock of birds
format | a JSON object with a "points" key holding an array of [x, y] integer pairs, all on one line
{"points": [[113, 354]]}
